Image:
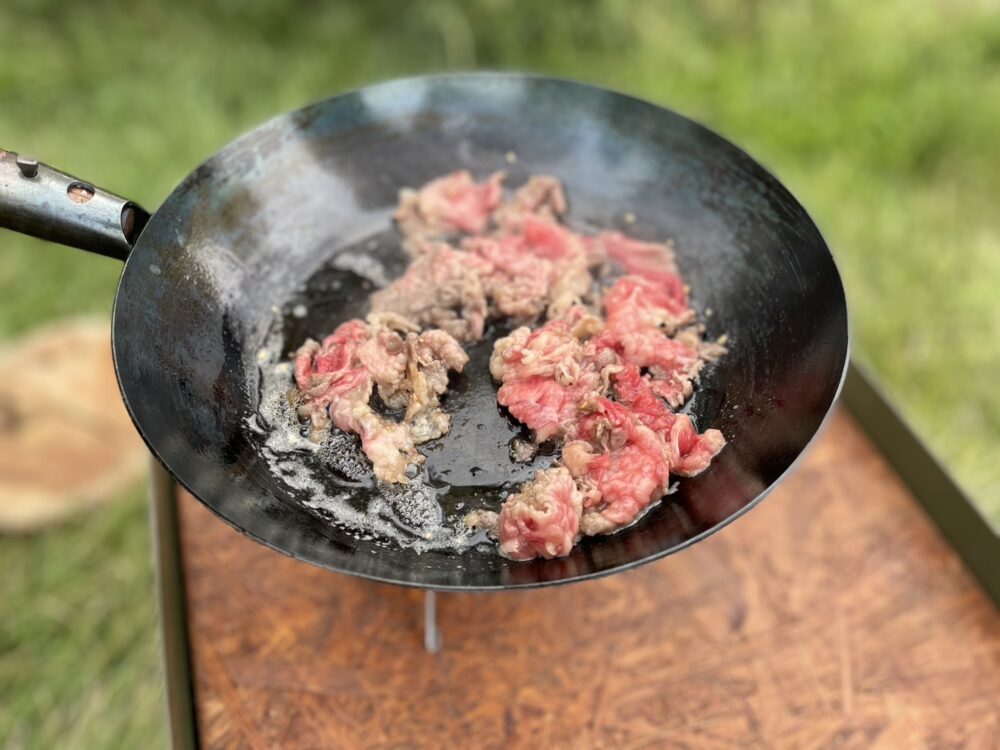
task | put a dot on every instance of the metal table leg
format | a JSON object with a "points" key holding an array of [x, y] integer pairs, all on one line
{"points": [[173, 622], [432, 636]]}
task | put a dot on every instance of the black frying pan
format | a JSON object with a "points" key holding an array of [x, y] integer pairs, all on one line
{"points": [[295, 216]]}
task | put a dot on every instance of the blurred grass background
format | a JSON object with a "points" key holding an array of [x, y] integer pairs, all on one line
{"points": [[881, 117]]}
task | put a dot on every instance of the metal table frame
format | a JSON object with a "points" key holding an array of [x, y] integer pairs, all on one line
{"points": [[944, 501]]}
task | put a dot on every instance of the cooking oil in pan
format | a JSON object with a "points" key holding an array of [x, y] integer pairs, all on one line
{"points": [[334, 478], [467, 469]]}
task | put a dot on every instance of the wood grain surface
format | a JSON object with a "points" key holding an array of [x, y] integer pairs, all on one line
{"points": [[100, 454], [832, 616]]}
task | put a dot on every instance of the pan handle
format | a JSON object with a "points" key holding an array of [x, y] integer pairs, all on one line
{"points": [[41, 201]]}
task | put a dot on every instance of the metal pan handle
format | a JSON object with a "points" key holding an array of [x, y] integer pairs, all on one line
{"points": [[41, 201]]}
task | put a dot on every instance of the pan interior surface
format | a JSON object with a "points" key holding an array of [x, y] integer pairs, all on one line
{"points": [[283, 234]]}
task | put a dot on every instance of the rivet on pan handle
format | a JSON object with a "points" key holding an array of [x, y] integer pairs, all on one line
{"points": [[41, 201]]}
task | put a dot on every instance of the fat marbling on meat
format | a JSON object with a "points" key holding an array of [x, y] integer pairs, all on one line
{"points": [[517, 261], [622, 468], [336, 378], [542, 267], [584, 383], [642, 312], [443, 288], [543, 519], [546, 374], [449, 204]]}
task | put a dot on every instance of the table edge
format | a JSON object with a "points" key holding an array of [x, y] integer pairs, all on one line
{"points": [[967, 530]]}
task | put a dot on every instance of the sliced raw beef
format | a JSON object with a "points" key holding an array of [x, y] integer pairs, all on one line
{"points": [[335, 380], [543, 519], [450, 204], [443, 289]]}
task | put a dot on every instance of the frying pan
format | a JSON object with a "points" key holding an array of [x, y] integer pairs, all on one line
{"points": [[283, 233]]}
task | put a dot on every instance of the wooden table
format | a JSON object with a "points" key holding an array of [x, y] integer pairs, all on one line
{"points": [[834, 616]]}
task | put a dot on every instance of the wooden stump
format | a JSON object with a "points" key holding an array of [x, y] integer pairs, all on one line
{"points": [[66, 441]]}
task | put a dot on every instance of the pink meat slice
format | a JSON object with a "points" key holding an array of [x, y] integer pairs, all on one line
{"points": [[547, 239], [331, 371], [388, 445], [637, 257], [335, 380], [449, 204], [656, 301], [546, 374], [634, 392], [640, 312], [689, 453], [543, 519], [630, 471], [542, 266], [335, 385], [551, 351], [672, 364], [675, 385], [547, 408], [519, 283], [334, 357], [383, 354]]}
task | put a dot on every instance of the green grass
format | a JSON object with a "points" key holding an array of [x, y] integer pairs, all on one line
{"points": [[881, 117], [80, 664]]}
